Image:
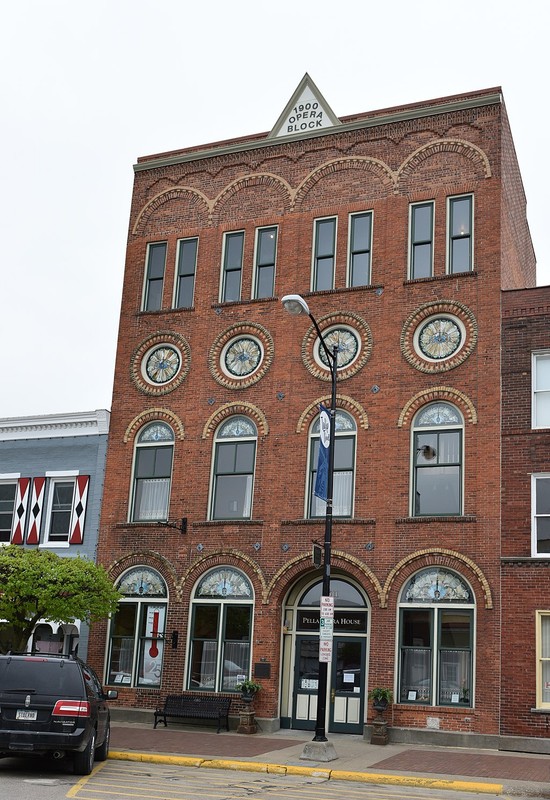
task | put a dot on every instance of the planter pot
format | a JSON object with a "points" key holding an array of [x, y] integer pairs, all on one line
{"points": [[247, 697], [380, 705]]}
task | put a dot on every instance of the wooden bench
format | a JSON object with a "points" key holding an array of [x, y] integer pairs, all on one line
{"points": [[195, 706]]}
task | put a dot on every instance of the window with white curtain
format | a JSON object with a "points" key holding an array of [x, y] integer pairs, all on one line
{"points": [[436, 634], [540, 377], [543, 659], [344, 468], [233, 469], [152, 473]]}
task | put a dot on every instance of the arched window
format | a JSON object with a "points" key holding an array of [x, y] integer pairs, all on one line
{"points": [[136, 634], [152, 473], [437, 461], [344, 468], [233, 469], [221, 631], [436, 634]]}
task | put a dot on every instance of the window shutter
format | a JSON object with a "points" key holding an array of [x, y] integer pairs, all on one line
{"points": [[20, 511], [79, 509], [37, 503]]}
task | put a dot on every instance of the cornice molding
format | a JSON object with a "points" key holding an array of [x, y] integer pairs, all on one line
{"points": [[84, 423]]}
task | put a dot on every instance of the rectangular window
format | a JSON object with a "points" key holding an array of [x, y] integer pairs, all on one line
{"points": [[7, 508], [152, 478], [185, 279], [540, 504], [220, 646], [540, 378], [421, 240], [60, 508], [342, 492], [154, 277], [264, 265], [324, 252], [459, 227], [233, 480], [437, 473], [360, 233], [543, 659], [233, 246], [136, 645]]}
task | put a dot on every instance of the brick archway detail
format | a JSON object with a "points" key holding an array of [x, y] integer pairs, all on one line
{"points": [[280, 185], [294, 569], [227, 410], [435, 556], [150, 415], [149, 558], [463, 148], [438, 393], [165, 196], [374, 165], [222, 558], [342, 401]]}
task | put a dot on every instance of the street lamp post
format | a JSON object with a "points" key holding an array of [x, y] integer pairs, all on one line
{"points": [[295, 305]]}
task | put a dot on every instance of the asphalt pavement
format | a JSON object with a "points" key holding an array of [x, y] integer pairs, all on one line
{"points": [[484, 771]]}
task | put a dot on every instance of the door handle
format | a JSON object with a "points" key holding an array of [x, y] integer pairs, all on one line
{"points": [[332, 696]]}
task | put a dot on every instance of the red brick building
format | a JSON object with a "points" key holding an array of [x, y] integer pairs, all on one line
{"points": [[400, 227]]}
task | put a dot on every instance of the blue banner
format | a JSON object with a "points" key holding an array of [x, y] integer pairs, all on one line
{"points": [[321, 481]]}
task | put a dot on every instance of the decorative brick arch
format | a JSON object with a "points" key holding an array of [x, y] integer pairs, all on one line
{"points": [[294, 569], [229, 409], [446, 393], [459, 146], [223, 558], [372, 165], [148, 558], [280, 185], [342, 401], [152, 415], [165, 196], [435, 556]]}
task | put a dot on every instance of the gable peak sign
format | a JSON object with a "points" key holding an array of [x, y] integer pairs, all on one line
{"points": [[306, 111]]}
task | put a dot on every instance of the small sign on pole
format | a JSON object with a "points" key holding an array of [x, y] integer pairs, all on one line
{"points": [[317, 555]]}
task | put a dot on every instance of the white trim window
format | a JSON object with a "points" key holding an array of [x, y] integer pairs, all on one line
{"points": [[232, 266], [152, 473], [265, 258], [436, 640], [220, 631], [359, 249], [540, 505], [460, 222], [154, 276], [421, 238], [59, 511], [233, 469], [543, 659], [137, 630], [8, 494], [344, 468], [324, 254], [437, 461], [186, 265], [540, 380]]}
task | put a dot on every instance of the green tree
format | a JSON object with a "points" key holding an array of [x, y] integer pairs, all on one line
{"points": [[39, 584]]}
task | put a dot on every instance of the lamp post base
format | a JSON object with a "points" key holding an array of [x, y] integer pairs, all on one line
{"points": [[319, 751]]}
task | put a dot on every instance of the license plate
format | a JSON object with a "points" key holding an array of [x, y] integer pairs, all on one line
{"points": [[24, 713]]}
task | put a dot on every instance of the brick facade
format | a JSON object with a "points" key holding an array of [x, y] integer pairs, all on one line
{"points": [[380, 162]]}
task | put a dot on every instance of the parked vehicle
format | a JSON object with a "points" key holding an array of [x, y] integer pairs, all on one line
{"points": [[53, 705]]}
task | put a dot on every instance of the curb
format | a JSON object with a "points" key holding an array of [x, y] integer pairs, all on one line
{"points": [[315, 772]]}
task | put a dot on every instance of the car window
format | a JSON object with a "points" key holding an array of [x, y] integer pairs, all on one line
{"points": [[40, 677]]}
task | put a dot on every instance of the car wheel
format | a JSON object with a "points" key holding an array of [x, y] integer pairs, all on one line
{"points": [[102, 751], [83, 762]]}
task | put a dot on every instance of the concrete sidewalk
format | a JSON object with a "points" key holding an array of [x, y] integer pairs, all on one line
{"points": [[484, 771]]}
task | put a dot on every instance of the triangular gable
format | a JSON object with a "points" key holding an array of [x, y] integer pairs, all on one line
{"points": [[20, 510], [306, 111]]}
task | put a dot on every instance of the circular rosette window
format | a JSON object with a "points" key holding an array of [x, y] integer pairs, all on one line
{"points": [[241, 355], [160, 363], [439, 336], [347, 336]]}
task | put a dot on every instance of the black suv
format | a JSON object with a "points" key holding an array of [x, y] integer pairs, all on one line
{"points": [[53, 705]]}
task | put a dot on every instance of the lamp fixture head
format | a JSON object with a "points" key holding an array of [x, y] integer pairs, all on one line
{"points": [[295, 304]]}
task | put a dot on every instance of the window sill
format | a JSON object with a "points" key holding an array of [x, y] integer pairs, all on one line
{"points": [[335, 521], [217, 523], [428, 520], [446, 277]]}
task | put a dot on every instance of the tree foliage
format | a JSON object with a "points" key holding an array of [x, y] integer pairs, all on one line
{"points": [[39, 584]]}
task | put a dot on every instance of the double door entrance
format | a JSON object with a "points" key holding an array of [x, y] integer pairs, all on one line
{"points": [[346, 684]]}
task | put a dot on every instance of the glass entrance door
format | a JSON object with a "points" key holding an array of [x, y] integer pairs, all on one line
{"points": [[347, 695]]}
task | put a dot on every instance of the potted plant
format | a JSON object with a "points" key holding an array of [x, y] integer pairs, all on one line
{"points": [[381, 698], [248, 689]]}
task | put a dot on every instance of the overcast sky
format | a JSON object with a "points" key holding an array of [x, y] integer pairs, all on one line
{"points": [[86, 88]]}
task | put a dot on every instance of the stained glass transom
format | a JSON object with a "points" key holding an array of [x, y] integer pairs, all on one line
{"points": [[436, 586], [224, 583], [143, 582], [438, 414], [237, 427], [156, 432], [344, 422]]}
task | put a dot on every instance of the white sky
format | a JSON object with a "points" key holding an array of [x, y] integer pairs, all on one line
{"points": [[86, 88]]}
